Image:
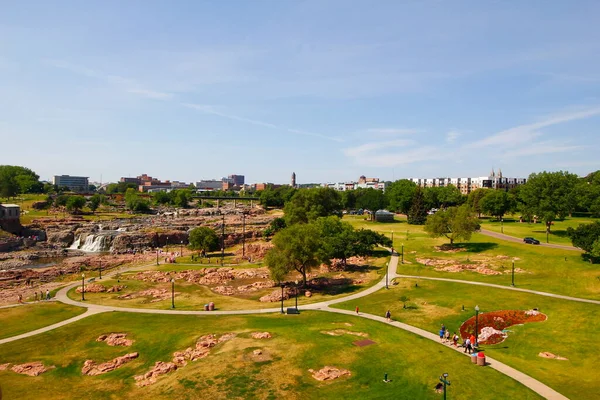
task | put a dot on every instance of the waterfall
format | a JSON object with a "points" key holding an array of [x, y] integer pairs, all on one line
{"points": [[94, 243]]}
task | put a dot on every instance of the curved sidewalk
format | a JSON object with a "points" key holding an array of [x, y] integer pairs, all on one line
{"points": [[93, 309], [509, 238]]}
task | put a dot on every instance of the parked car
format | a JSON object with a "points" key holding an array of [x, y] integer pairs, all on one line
{"points": [[531, 240]]}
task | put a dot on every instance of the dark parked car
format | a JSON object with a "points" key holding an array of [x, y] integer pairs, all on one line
{"points": [[531, 240]]}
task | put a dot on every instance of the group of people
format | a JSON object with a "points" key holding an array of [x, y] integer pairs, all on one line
{"points": [[35, 296], [446, 338]]}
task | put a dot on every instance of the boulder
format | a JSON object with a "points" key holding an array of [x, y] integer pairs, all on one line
{"points": [[328, 373], [92, 288], [115, 339], [160, 368], [91, 368], [261, 335], [32, 369], [275, 296], [61, 238]]}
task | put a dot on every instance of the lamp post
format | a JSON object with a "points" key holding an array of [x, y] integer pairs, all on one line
{"points": [[172, 292], [244, 235], [513, 274], [387, 270], [476, 325], [82, 287], [100, 270], [167, 244], [502, 225], [402, 253], [296, 294], [181, 249], [282, 286], [445, 381], [157, 256], [392, 242], [223, 240]]}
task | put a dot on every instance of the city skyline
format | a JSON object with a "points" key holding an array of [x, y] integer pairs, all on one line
{"points": [[326, 90]]}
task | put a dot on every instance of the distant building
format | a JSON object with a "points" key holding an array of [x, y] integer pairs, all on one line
{"points": [[384, 216], [293, 179], [74, 183], [467, 185], [10, 215], [237, 180], [136, 181], [211, 184], [363, 183]]}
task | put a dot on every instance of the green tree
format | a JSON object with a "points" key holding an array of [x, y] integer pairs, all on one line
{"points": [[585, 236], [309, 204], [400, 195], [204, 238], [15, 179], [348, 199], [271, 197], [549, 195], [95, 201], [455, 223], [497, 203], [370, 199], [181, 198], [75, 204], [474, 199], [161, 198], [120, 187], [417, 214], [275, 226], [61, 200], [134, 202], [449, 196], [296, 247]]}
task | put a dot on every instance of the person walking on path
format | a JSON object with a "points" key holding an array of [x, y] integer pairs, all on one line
{"points": [[473, 343], [442, 332], [47, 294], [356, 310], [447, 336], [35, 296], [455, 339], [388, 316], [468, 347]]}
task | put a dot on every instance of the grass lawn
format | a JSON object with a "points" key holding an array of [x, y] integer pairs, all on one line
{"points": [[570, 330], [190, 296], [546, 269], [21, 319], [558, 233], [230, 372]]}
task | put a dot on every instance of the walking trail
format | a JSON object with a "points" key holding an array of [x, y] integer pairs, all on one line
{"points": [[509, 238], [93, 309]]}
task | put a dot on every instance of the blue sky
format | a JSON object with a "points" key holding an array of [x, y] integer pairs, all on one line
{"points": [[189, 90]]}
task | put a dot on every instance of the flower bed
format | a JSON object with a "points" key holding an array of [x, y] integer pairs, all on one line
{"points": [[499, 320]]}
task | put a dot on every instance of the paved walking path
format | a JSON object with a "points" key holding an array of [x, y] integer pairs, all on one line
{"points": [[509, 238], [93, 309], [516, 289]]}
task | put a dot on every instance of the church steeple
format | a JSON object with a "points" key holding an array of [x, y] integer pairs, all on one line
{"points": [[499, 173], [493, 174]]}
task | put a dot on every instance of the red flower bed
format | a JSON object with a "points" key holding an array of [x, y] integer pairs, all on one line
{"points": [[498, 320]]}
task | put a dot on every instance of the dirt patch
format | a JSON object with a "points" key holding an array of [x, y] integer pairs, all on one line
{"points": [[329, 373], [363, 343], [260, 355], [340, 332], [32, 369], [498, 321], [91, 368], [115, 339], [261, 335], [545, 354], [483, 265]]}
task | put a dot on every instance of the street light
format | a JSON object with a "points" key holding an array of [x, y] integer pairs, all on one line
{"points": [[501, 225], [445, 381], [387, 269], [223, 240], [167, 244], [296, 294], [476, 325], [282, 286], [157, 256], [243, 234], [181, 249], [172, 292], [82, 287], [100, 269], [513, 274], [402, 253]]}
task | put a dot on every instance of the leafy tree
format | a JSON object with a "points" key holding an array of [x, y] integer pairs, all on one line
{"points": [[348, 199], [15, 179], [296, 247], [309, 204], [497, 203], [204, 238], [134, 202], [474, 199], [181, 198], [370, 199], [61, 201], [271, 197], [275, 226], [549, 195], [417, 214], [454, 223], [587, 196], [400, 195], [585, 236], [161, 198], [120, 187], [75, 204], [450, 196], [365, 240], [95, 201]]}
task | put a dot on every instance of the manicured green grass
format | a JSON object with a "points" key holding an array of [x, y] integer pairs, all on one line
{"points": [[190, 296], [570, 330], [558, 232], [413, 364], [546, 269], [21, 319]]}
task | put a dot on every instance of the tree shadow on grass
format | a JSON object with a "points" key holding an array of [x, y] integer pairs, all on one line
{"points": [[469, 247]]}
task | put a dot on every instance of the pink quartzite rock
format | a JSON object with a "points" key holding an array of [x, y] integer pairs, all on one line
{"points": [[328, 373], [32, 369], [91, 368], [261, 335], [160, 368], [92, 288], [115, 339]]}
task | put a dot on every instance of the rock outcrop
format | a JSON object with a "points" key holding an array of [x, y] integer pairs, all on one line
{"points": [[328, 373], [115, 339], [32, 369], [261, 335], [160, 368], [91, 368]]}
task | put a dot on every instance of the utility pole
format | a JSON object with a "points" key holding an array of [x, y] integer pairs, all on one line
{"points": [[243, 234], [223, 240]]}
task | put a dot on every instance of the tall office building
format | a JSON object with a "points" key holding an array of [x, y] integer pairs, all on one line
{"points": [[74, 183]]}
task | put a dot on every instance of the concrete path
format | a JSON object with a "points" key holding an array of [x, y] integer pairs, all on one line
{"points": [[492, 285], [93, 309], [508, 238]]}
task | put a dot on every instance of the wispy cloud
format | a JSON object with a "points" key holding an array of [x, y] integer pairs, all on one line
{"points": [[527, 133], [122, 83], [539, 148], [207, 109], [403, 157], [358, 151], [391, 131], [452, 136]]}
